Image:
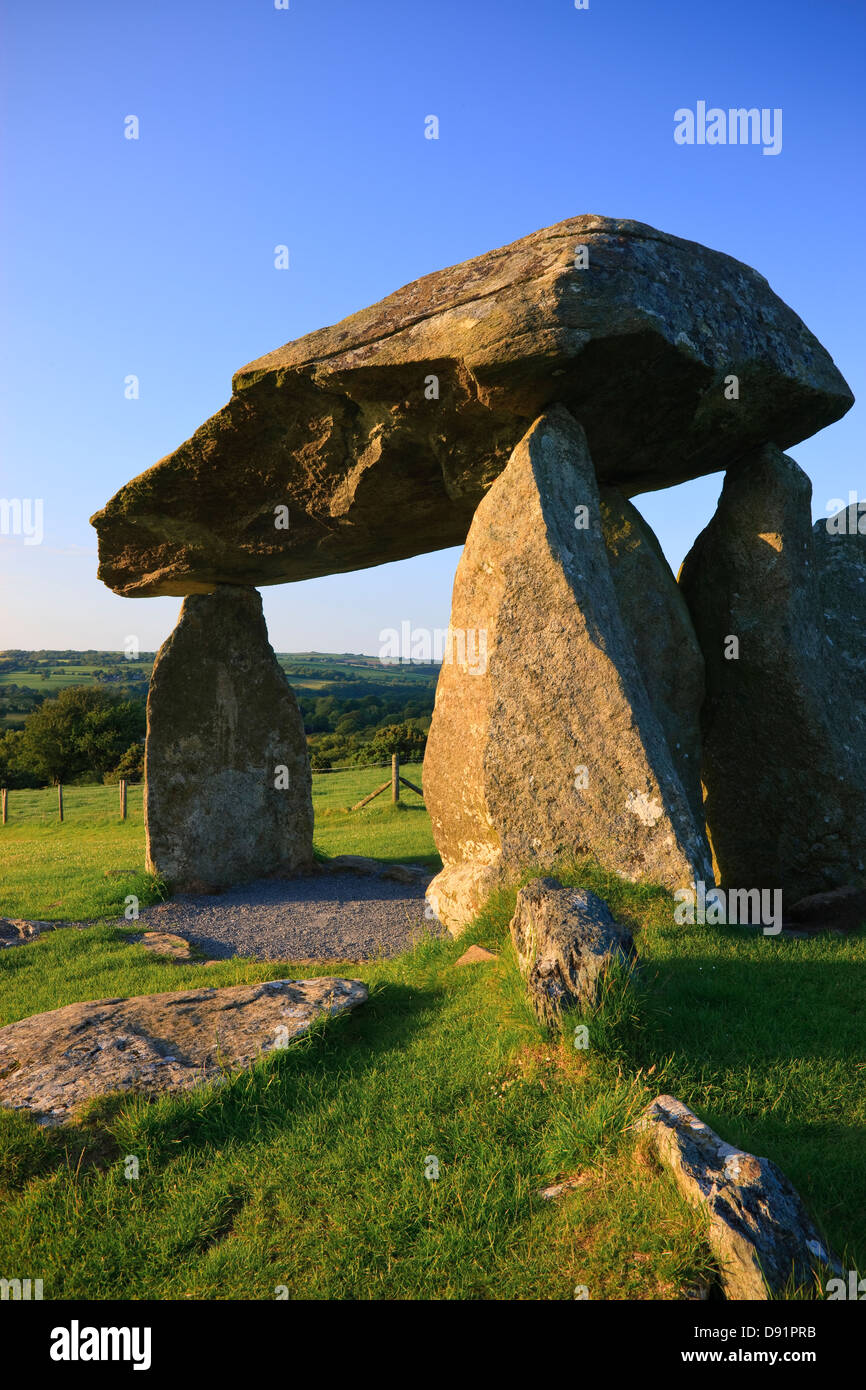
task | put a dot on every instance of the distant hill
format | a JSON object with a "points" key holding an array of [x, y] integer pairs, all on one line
{"points": [[345, 697]]}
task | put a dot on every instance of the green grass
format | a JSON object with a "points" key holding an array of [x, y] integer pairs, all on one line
{"points": [[81, 869], [399, 834], [309, 1171], [84, 868]]}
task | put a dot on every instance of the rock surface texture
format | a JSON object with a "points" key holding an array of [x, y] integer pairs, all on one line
{"points": [[54, 1062], [840, 554], [663, 638], [14, 931], [227, 772], [544, 742], [784, 752], [406, 411], [566, 940], [759, 1230]]}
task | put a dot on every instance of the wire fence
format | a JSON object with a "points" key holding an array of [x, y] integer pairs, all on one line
{"points": [[121, 789]]}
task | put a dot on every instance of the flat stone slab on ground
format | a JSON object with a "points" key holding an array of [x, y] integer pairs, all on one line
{"points": [[16, 931], [54, 1062], [375, 868], [160, 943]]}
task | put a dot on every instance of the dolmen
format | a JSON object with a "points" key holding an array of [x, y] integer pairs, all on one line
{"points": [[708, 730]]}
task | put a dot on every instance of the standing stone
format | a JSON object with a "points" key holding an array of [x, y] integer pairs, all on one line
{"points": [[662, 635], [840, 553], [783, 772], [544, 744], [227, 773], [566, 940]]}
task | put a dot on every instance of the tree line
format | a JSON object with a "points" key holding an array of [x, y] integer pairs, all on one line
{"points": [[96, 734], [86, 733]]}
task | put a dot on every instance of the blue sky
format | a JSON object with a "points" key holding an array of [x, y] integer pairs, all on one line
{"points": [[305, 127]]}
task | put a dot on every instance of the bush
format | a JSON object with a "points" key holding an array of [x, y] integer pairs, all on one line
{"points": [[404, 739], [130, 767], [12, 773], [84, 730]]}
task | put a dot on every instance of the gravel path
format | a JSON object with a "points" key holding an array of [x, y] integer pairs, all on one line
{"points": [[340, 916]]}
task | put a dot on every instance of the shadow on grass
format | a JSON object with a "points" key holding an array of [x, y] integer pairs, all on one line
{"points": [[717, 1010], [766, 1050]]}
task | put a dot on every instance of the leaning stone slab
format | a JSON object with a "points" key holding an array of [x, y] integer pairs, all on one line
{"points": [[759, 1229], [662, 635], [544, 742], [227, 795], [566, 940], [410, 408], [784, 736], [56, 1061]]}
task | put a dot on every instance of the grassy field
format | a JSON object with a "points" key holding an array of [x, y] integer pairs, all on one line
{"points": [[309, 1171], [85, 867]]}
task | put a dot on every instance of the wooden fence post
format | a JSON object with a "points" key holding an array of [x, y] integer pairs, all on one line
{"points": [[60, 799], [122, 785], [395, 776], [4, 796], [378, 792]]}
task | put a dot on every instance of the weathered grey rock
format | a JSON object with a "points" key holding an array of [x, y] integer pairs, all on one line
{"points": [[840, 554], [375, 868], [784, 761], [663, 638], [52, 1063], [566, 940], [759, 1230], [843, 910], [343, 426], [227, 794], [16, 931], [544, 744]]}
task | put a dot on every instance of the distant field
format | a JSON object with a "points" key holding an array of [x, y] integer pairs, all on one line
{"points": [[73, 675], [306, 669], [343, 676], [84, 868]]}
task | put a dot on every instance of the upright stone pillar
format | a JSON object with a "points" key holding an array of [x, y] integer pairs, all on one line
{"points": [[545, 743], [784, 740], [227, 794]]}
